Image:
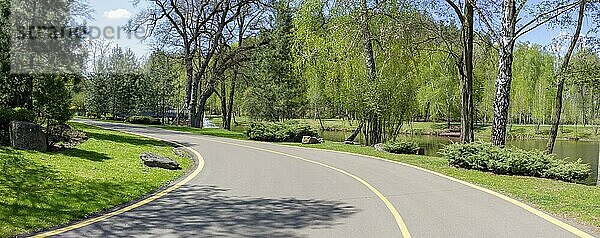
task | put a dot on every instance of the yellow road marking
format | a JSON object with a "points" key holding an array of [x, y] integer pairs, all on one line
{"points": [[399, 221], [528, 208], [137, 204]]}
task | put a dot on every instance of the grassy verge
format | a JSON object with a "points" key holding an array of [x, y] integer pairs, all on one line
{"points": [[568, 200], [41, 190]]}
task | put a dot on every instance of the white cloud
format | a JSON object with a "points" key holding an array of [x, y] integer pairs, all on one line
{"points": [[118, 14]]}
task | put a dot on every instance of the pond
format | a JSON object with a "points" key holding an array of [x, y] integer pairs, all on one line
{"points": [[588, 151]]}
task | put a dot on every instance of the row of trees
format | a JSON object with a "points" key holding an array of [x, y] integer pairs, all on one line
{"points": [[382, 63]]}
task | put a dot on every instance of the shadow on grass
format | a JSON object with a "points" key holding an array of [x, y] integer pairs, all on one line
{"points": [[123, 138], [35, 196], [207, 211], [84, 154]]}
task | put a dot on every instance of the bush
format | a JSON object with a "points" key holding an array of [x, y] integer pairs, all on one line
{"points": [[146, 120], [16, 114], [512, 161], [279, 132], [61, 136], [401, 147]]}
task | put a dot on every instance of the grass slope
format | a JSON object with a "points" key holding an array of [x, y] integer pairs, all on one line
{"points": [[41, 190], [568, 200]]}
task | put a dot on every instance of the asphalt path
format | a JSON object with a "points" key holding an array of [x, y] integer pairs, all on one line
{"points": [[249, 189]]}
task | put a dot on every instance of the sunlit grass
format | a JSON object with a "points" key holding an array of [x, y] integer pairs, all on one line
{"points": [[41, 190], [570, 200]]}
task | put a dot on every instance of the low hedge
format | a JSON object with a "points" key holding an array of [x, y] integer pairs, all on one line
{"points": [[513, 161], [145, 120], [401, 147], [16, 114], [279, 132]]}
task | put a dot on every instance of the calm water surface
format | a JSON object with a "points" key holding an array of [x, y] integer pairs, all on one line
{"points": [[588, 151]]}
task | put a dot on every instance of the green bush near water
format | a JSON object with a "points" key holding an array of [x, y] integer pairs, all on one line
{"points": [[280, 132], [512, 161], [401, 147], [145, 120]]}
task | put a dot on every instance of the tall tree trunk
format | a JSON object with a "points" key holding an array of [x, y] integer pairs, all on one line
{"points": [[374, 123], [467, 134], [192, 105], [229, 117], [355, 133], [202, 103], [502, 97], [561, 80], [223, 99]]}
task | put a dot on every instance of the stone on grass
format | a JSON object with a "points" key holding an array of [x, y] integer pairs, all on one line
{"points": [[63, 136], [309, 140], [157, 161], [181, 152], [27, 136], [379, 147]]}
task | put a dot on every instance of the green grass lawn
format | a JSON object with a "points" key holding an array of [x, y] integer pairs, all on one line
{"points": [[42, 190], [568, 200]]}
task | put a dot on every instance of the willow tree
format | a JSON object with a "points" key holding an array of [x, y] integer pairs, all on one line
{"points": [[465, 66]]}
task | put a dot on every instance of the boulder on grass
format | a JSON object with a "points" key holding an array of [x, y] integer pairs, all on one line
{"points": [[157, 161], [27, 136], [309, 140], [379, 147]]}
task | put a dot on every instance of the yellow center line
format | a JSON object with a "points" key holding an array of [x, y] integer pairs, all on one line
{"points": [[543, 215], [137, 204], [399, 221]]}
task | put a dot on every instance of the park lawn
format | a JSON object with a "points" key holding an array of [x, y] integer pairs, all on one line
{"points": [[567, 200], [43, 190]]}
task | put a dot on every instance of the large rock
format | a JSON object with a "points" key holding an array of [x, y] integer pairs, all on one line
{"points": [[379, 147], [308, 140], [157, 161], [62, 136], [27, 136]]}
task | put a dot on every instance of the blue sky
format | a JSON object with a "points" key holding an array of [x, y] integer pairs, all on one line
{"points": [[115, 13]]}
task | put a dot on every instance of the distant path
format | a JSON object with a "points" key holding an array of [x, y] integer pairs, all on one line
{"points": [[249, 189]]}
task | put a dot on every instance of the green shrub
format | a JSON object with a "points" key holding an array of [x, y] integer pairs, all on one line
{"points": [[279, 132], [16, 114], [402, 147], [512, 161], [146, 120]]}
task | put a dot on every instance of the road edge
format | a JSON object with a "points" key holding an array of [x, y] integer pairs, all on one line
{"points": [[544, 215]]}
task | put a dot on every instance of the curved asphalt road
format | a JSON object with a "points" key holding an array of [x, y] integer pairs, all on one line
{"points": [[248, 192]]}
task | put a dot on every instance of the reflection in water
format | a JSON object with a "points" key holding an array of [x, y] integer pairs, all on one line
{"points": [[588, 151]]}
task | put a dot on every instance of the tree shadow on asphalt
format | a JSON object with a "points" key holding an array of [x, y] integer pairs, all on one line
{"points": [[204, 211]]}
